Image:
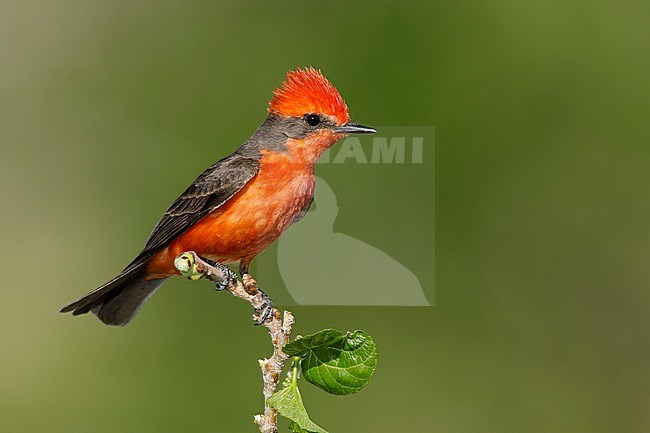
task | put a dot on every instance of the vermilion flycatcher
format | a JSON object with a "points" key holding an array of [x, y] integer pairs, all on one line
{"points": [[241, 204]]}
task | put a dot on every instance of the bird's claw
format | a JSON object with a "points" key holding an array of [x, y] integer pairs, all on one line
{"points": [[228, 275], [265, 311]]}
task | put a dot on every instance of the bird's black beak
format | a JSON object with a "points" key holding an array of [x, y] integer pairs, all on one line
{"points": [[353, 128]]}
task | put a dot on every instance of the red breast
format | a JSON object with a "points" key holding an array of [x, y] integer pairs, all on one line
{"points": [[249, 221]]}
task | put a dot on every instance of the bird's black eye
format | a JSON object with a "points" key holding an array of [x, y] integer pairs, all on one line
{"points": [[312, 119]]}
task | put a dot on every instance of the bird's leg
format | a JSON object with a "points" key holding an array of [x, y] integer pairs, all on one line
{"points": [[265, 310], [243, 267], [228, 275]]}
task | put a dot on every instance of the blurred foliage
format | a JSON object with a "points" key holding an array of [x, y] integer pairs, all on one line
{"points": [[109, 109]]}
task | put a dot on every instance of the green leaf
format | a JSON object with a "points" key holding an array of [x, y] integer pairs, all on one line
{"points": [[339, 365], [295, 428], [323, 338], [288, 403]]}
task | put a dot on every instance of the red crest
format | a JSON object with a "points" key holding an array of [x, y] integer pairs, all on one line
{"points": [[308, 91]]}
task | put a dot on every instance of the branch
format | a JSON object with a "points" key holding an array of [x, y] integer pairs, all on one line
{"points": [[190, 265]]}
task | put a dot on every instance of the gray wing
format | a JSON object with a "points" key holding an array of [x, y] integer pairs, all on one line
{"points": [[208, 192], [121, 297]]}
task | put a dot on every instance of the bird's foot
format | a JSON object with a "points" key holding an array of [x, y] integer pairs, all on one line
{"points": [[228, 275], [265, 310]]}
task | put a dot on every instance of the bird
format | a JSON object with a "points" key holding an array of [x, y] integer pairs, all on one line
{"points": [[242, 203]]}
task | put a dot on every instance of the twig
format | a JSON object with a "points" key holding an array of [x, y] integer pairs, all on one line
{"points": [[190, 265]]}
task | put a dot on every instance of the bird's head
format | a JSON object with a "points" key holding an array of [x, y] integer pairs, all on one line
{"points": [[311, 113]]}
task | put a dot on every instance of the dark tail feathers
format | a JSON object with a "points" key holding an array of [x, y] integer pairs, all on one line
{"points": [[119, 300]]}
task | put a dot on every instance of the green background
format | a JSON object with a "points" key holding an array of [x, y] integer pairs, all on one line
{"points": [[108, 109]]}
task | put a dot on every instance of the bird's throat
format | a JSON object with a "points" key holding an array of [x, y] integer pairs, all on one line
{"points": [[307, 151]]}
